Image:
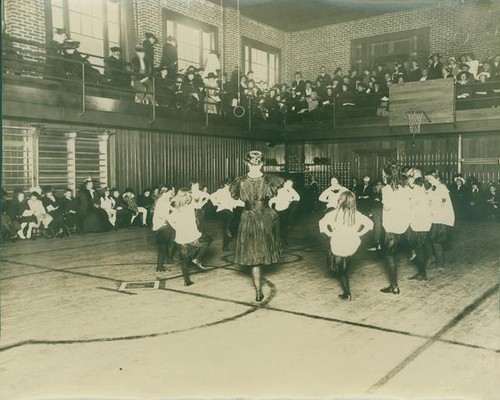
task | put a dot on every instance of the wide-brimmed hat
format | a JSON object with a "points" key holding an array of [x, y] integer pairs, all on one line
{"points": [[71, 44], [116, 48], [211, 75], [139, 49], [150, 35]]}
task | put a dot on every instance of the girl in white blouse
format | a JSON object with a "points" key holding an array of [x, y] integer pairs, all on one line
{"points": [[442, 217], [282, 204], [395, 219], [108, 204], [344, 226], [192, 243], [162, 227]]}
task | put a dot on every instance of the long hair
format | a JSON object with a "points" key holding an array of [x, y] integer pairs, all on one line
{"points": [[346, 208], [182, 198], [394, 176]]}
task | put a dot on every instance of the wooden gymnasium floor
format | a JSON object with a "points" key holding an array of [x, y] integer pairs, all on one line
{"points": [[67, 330]]}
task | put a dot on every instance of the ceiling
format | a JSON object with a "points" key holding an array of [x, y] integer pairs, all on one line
{"points": [[295, 15]]}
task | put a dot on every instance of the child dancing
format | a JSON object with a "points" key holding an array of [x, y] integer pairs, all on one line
{"points": [[344, 226]]}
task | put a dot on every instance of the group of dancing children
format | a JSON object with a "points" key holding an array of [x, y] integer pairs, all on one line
{"points": [[415, 207], [255, 211]]}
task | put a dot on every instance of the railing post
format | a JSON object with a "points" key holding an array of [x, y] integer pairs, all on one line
{"points": [[84, 94], [249, 113], [153, 98], [334, 115]]}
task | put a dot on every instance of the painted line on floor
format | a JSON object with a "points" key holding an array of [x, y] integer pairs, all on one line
{"points": [[116, 291], [435, 338], [264, 305]]}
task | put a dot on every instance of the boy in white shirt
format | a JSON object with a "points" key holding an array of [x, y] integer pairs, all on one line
{"points": [[331, 194]]}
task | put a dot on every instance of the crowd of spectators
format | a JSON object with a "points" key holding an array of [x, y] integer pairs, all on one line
{"points": [[46, 213], [208, 89]]}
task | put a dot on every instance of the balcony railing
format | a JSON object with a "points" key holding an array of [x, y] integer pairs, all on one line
{"points": [[28, 62]]}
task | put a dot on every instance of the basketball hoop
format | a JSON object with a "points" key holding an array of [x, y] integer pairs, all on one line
{"points": [[414, 120]]}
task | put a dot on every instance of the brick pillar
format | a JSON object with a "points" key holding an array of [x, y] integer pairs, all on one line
{"points": [[71, 160]]}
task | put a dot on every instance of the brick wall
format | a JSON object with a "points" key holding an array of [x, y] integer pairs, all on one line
{"points": [[331, 45], [25, 19]]}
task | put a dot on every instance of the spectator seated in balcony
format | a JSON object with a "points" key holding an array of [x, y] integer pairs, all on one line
{"points": [[483, 91], [345, 101], [312, 105], [149, 49], [212, 98], [20, 212], [69, 210], [11, 59], [191, 95], [92, 217], [414, 73], [271, 106], [54, 64], [464, 91], [495, 67], [380, 74], [425, 74], [447, 72], [53, 207], [169, 58], [165, 89], [142, 74], [298, 83], [131, 202], [436, 67], [114, 69], [380, 100], [473, 64], [454, 67], [399, 73], [465, 68], [323, 78], [75, 63]]}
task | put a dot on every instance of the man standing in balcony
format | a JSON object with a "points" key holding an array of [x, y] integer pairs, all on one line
{"points": [[436, 67], [169, 57], [114, 68], [149, 49]]}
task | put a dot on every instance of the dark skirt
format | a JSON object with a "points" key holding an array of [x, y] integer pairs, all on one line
{"points": [[439, 233], [259, 241], [416, 239], [336, 266], [165, 236]]}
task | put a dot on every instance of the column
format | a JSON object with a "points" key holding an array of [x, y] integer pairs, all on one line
{"points": [[31, 155], [71, 160], [103, 158]]}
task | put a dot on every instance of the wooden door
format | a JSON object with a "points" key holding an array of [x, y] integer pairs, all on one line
{"points": [[370, 163]]}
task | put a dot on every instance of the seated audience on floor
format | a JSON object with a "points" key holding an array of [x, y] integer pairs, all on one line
{"points": [[131, 203], [92, 217], [69, 210]]}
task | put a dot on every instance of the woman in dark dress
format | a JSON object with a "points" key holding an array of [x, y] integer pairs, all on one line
{"points": [[258, 242], [92, 217]]}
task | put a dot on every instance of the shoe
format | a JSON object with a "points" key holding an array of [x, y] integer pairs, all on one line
{"points": [[390, 289], [198, 264], [413, 255], [188, 283], [162, 269], [345, 296], [259, 297]]}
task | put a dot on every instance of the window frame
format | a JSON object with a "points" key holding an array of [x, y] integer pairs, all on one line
{"points": [[49, 28], [268, 49], [202, 27]]}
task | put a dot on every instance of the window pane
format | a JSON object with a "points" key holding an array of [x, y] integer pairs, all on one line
{"points": [[114, 32], [75, 22], [96, 10], [170, 28], [188, 35], [74, 5], [86, 25], [97, 28], [57, 3], [57, 17], [113, 11]]}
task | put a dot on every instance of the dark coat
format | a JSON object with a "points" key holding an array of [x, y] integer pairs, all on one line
{"points": [[149, 50], [135, 66], [436, 70], [114, 70], [169, 58]]}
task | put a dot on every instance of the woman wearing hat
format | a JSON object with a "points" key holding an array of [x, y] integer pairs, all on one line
{"points": [[92, 217], [142, 73], [258, 242]]}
